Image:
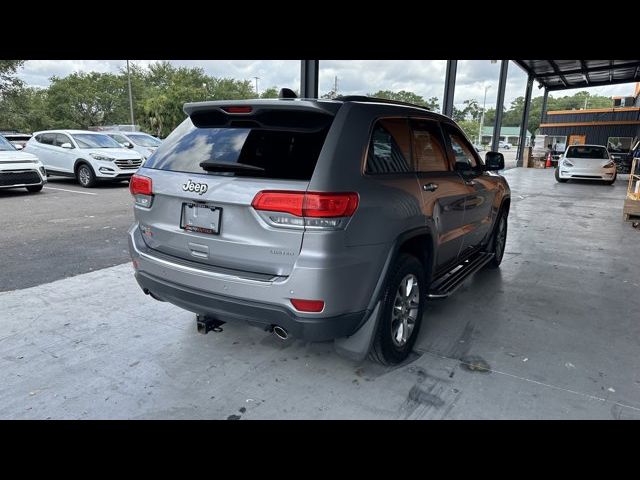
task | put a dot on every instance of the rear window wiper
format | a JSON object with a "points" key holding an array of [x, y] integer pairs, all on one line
{"points": [[229, 167]]}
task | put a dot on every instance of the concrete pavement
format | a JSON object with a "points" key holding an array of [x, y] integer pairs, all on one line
{"points": [[552, 334]]}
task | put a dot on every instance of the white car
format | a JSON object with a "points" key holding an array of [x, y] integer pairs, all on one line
{"points": [[20, 169], [586, 162], [141, 142], [504, 145], [87, 156]]}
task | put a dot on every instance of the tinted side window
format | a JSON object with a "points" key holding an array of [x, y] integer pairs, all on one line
{"points": [[389, 147], [46, 138], [428, 148], [461, 150], [60, 139]]}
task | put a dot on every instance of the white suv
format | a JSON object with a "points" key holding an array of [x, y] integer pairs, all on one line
{"points": [[87, 156], [141, 142]]}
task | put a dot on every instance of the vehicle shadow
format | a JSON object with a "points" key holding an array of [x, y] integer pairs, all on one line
{"points": [[63, 181]]}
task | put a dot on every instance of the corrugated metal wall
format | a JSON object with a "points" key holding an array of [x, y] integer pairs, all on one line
{"points": [[596, 134]]}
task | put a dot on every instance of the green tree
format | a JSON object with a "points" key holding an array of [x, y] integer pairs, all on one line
{"points": [[24, 109], [271, 92], [8, 80], [409, 97], [81, 100]]}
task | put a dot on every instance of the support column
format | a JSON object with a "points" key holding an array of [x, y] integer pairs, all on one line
{"points": [[525, 121], [502, 83], [544, 106], [449, 88], [309, 78]]}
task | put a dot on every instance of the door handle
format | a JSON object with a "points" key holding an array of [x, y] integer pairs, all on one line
{"points": [[430, 187]]}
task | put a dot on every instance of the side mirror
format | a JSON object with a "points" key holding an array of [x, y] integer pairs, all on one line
{"points": [[66, 145], [17, 146], [128, 144], [493, 161]]}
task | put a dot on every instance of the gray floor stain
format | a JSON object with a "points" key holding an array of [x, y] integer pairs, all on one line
{"points": [[475, 363]]}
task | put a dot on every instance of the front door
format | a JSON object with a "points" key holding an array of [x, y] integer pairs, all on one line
{"points": [[480, 191], [577, 139], [443, 190]]}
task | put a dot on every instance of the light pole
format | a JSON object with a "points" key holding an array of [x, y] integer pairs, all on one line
{"points": [[257, 78], [130, 95], [484, 103]]}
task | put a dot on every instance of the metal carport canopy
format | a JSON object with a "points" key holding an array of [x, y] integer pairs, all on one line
{"points": [[567, 74]]}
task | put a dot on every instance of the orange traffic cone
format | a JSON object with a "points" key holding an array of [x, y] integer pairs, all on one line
{"points": [[548, 164]]}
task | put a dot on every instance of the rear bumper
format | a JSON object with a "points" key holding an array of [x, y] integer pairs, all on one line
{"points": [[259, 299], [257, 314]]}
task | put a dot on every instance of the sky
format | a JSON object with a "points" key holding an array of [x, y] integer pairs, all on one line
{"points": [[424, 77]]}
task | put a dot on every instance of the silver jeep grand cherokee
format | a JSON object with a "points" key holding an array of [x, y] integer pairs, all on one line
{"points": [[319, 219]]}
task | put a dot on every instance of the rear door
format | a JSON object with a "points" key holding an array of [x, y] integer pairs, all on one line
{"points": [[46, 151], [480, 190], [442, 189], [63, 158], [246, 155]]}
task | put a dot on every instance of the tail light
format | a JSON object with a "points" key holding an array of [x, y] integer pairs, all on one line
{"points": [[141, 188], [312, 209], [313, 306]]}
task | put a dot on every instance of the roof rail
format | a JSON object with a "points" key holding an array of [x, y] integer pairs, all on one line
{"points": [[364, 98]]}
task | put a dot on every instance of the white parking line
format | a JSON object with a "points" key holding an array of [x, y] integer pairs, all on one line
{"points": [[72, 191]]}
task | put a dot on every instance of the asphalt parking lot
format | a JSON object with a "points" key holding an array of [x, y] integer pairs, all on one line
{"points": [[62, 231], [552, 334]]}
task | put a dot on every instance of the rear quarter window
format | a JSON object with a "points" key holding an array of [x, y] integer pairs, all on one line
{"points": [[281, 152]]}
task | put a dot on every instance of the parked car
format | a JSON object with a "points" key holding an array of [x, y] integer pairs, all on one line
{"points": [[88, 156], [586, 162], [143, 143], [504, 145], [623, 159], [18, 140], [268, 212], [20, 169]]}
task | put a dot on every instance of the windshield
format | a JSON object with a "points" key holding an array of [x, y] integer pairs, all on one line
{"points": [[95, 140], [4, 145], [144, 140], [587, 152]]}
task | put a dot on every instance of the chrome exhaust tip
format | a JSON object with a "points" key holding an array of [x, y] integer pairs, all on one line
{"points": [[280, 332]]}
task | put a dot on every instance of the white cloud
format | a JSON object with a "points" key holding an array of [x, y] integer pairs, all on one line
{"points": [[424, 77]]}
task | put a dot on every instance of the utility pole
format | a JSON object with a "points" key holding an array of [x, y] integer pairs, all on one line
{"points": [[130, 95], [484, 104], [335, 86], [257, 78], [586, 98]]}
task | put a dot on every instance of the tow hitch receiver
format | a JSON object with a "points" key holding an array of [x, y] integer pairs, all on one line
{"points": [[208, 324]]}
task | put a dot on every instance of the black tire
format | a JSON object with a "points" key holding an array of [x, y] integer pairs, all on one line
{"points": [[498, 240], [387, 350], [85, 176], [612, 181], [558, 179], [34, 188]]}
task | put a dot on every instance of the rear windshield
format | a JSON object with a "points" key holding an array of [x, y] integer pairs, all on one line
{"points": [[280, 153], [587, 152]]}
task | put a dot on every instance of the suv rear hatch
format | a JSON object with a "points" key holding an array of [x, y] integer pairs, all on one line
{"points": [[208, 172]]}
